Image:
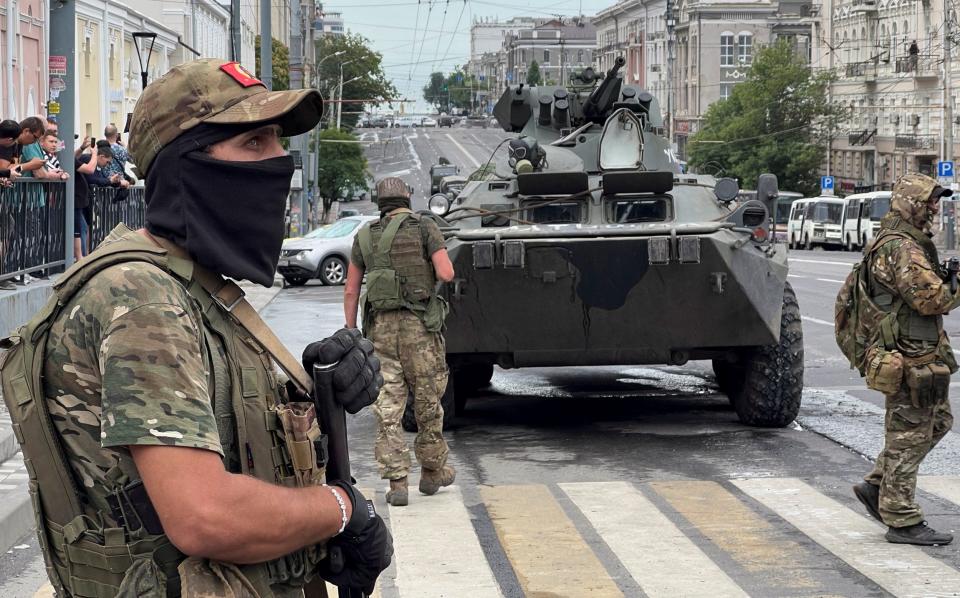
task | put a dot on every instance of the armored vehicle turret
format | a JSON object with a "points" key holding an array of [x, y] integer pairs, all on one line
{"points": [[583, 243]]}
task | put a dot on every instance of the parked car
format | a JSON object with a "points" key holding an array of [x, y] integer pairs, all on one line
{"points": [[379, 122], [403, 121], [322, 253], [445, 121], [428, 121]]}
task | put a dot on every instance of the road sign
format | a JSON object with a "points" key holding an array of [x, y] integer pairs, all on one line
{"points": [[945, 168], [826, 185]]}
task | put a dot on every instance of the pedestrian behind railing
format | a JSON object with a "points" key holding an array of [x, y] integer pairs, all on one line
{"points": [[31, 228], [109, 206]]}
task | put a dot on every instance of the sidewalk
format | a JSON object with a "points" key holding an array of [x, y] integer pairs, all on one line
{"points": [[16, 514]]}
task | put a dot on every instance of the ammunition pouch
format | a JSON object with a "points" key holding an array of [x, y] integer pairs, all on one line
{"points": [[929, 383], [884, 370], [383, 290], [436, 313]]}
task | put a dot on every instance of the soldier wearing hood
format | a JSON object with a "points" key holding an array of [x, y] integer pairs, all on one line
{"points": [[907, 282]]}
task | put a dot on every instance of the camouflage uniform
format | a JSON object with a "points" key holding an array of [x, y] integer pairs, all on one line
{"points": [[412, 359], [904, 267]]}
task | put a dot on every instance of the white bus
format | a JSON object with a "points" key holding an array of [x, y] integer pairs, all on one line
{"points": [[862, 217], [816, 221]]}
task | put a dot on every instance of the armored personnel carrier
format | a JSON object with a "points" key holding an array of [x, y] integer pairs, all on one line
{"points": [[590, 247]]}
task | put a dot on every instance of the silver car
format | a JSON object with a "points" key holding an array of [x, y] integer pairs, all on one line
{"points": [[322, 253]]}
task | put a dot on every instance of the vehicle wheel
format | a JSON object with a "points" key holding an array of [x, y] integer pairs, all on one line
{"points": [[791, 244], [773, 375], [447, 401], [849, 246], [333, 271], [729, 377], [807, 244], [295, 281]]}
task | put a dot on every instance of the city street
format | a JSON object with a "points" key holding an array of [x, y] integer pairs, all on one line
{"points": [[633, 480]]}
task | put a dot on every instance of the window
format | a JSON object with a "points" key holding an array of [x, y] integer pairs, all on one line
{"points": [[639, 210], [726, 49], [745, 48], [725, 90], [113, 56], [557, 213], [546, 57], [86, 56]]}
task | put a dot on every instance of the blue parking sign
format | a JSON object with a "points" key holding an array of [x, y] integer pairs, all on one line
{"points": [[945, 168], [826, 183]]}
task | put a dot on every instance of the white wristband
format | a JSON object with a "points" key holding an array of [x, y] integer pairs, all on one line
{"points": [[342, 505]]}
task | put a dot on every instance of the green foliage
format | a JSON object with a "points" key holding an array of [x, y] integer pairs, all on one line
{"points": [[533, 75], [435, 92], [778, 120], [358, 60], [461, 88], [342, 166], [280, 64]]}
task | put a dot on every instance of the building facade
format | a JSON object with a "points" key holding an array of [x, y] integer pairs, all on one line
{"points": [[23, 48], [888, 58], [558, 46]]}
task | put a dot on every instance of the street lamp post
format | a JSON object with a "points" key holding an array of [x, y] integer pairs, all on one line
{"points": [[143, 36], [340, 105]]}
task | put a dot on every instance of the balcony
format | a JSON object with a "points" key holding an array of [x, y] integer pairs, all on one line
{"points": [[861, 137], [867, 71], [922, 66], [915, 142], [864, 6]]}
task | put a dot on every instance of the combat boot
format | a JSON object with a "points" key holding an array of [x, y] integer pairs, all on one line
{"points": [[397, 495], [432, 479], [919, 534], [869, 496]]}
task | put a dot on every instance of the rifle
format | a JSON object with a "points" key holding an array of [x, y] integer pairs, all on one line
{"points": [[333, 422]]}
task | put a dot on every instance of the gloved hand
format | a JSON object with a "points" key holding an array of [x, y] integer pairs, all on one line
{"points": [[357, 556], [357, 379]]}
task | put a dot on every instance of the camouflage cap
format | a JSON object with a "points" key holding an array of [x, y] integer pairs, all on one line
{"points": [[392, 187], [910, 197], [213, 91]]}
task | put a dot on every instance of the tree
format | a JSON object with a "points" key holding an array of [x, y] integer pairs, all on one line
{"points": [[280, 64], [533, 75], [777, 120], [360, 61], [435, 92], [342, 167]]}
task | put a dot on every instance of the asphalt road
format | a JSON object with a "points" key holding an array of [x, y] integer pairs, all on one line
{"points": [[634, 481]]}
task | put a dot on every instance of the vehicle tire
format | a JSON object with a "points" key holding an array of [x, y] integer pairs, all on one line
{"points": [[773, 375], [448, 401], [333, 271], [791, 244], [849, 245], [807, 244], [295, 281]]}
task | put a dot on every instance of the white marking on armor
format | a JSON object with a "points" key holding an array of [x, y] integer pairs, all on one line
{"points": [[438, 550], [904, 571], [661, 559], [159, 434], [73, 312], [464, 151], [817, 321]]}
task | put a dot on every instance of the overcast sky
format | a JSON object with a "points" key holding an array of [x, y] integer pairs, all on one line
{"points": [[417, 39]]}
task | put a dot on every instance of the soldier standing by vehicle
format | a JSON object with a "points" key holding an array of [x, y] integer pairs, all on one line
{"points": [[168, 456], [403, 255], [909, 359]]}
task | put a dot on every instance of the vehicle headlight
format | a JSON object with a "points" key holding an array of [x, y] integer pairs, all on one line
{"points": [[439, 204]]}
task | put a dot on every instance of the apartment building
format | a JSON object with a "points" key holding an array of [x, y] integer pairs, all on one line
{"points": [[23, 47]]}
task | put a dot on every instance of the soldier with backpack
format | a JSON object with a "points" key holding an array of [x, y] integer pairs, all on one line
{"points": [[403, 256], [889, 324], [167, 454]]}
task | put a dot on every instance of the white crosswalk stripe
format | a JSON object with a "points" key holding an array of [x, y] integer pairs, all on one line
{"points": [[904, 571], [655, 552]]}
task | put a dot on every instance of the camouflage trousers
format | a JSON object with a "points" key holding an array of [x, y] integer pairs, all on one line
{"points": [[411, 360], [911, 433]]}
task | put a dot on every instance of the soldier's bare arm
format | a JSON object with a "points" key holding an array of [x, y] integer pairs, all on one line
{"points": [[918, 282], [351, 294], [442, 265], [208, 512]]}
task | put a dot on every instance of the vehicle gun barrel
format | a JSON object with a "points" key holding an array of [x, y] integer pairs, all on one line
{"points": [[603, 97]]}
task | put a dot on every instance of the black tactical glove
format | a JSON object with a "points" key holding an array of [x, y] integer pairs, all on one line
{"points": [[356, 556], [357, 379]]}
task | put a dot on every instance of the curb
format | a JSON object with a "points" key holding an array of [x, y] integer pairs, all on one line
{"points": [[8, 442]]}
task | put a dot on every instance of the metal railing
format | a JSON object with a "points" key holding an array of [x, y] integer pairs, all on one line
{"points": [[915, 142], [109, 207], [31, 227], [867, 70], [921, 65], [33, 223]]}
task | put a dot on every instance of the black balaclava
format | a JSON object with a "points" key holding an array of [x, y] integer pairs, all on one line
{"points": [[229, 216]]}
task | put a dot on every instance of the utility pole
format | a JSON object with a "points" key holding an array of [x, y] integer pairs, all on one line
{"points": [[266, 45], [235, 40], [671, 23], [298, 143], [63, 51], [947, 125]]}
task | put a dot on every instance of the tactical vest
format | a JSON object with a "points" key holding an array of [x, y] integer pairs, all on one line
{"points": [[92, 538], [923, 331], [398, 274]]}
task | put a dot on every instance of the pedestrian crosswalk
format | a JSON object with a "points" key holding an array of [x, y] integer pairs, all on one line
{"points": [[670, 538]]}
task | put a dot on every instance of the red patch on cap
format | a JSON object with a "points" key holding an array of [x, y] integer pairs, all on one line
{"points": [[240, 74]]}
